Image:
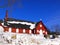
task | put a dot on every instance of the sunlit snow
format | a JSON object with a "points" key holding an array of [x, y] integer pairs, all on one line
{"points": [[8, 38], [15, 22]]}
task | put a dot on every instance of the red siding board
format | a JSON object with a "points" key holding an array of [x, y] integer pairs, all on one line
{"points": [[6, 29], [14, 30], [27, 31], [20, 30]]}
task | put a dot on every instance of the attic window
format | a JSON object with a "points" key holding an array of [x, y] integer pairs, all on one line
{"points": [[40, 25]]}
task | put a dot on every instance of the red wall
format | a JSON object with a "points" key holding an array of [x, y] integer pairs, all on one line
{"points": [[6, 29], [14, 30], [20, 30], [38, 28], [27, 31]]}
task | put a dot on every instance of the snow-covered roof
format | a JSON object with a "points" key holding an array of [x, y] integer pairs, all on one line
{"points": [[32, 26]]}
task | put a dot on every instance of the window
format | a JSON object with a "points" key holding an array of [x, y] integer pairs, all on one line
{"points": [[40, 25]]}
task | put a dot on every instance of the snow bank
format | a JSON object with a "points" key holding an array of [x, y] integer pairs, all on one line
{"points": [[1, 29], [30, 39]]}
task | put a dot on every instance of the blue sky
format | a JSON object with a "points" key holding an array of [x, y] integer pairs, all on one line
{"points": [[33, 10]]}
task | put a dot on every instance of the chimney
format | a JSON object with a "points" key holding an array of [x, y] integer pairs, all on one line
{"points": [[6, 16]]}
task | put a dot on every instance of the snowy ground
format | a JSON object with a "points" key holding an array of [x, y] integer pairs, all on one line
{"points": [[27, 39], [8, 38]]}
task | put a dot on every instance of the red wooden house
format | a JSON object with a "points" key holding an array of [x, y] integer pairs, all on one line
{"points": [[21, 26], [40, 26]]}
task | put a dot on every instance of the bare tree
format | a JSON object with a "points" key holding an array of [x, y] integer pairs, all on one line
{"points": [[56, 28]]}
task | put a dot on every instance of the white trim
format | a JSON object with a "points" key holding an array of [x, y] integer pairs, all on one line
{"points": [[2, 23], [9, 29], [30, 31], [37, 30], [41, 32], [23, 30], [46, 32], [17, 30]]}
